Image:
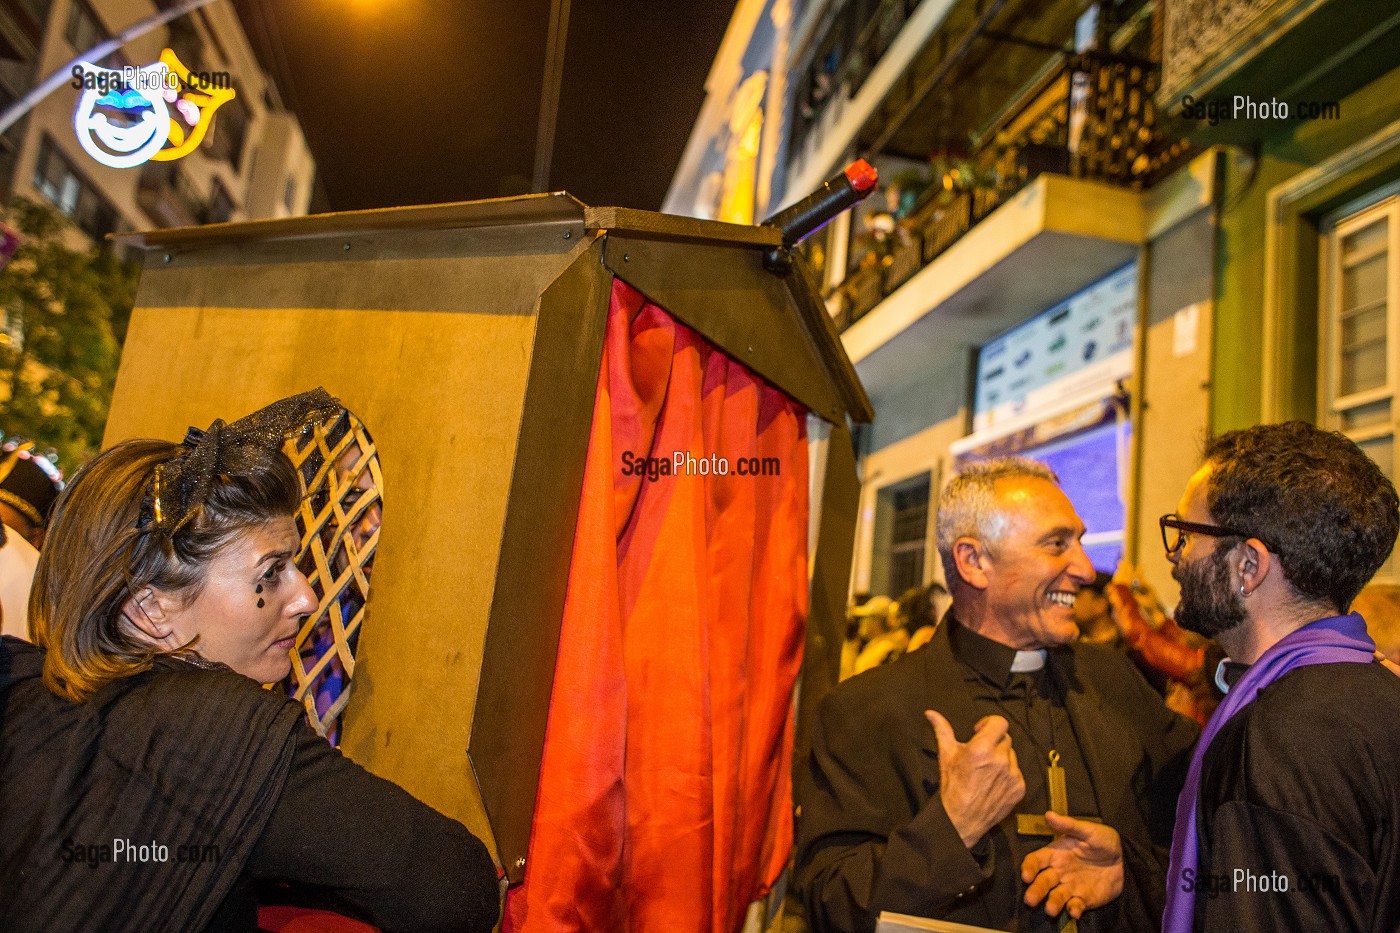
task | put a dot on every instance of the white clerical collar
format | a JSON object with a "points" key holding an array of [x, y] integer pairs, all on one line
{"points": [[1027, 661], [1228, 673], [1220, 680]]}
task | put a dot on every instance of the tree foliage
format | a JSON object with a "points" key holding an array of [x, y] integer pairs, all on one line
{"points": [[67, 312]]}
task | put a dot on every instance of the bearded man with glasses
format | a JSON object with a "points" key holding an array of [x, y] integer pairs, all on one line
{"points": [[1290, 818]]}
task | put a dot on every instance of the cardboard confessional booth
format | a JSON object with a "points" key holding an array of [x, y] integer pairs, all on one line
{"points": [[584, 527]]}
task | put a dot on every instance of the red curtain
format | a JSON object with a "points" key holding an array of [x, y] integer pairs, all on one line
{"points": [[664, 797]]}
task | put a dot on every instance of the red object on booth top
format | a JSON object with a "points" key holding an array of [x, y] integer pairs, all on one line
{"points": [[862, 175], [664, 800]]}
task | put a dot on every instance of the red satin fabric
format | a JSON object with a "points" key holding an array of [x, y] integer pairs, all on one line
{"points": [[664, 798], [305, 920]]}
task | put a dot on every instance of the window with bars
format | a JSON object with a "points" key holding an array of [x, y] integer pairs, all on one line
{"points": [[221, 206], [39, 9], [84, 30], [58, 181], [1360, 300], [55, 178], [230, 132], [901, 536]]}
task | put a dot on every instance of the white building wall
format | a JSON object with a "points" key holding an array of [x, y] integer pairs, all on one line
{"points": [[274, 149], [283, 170]]}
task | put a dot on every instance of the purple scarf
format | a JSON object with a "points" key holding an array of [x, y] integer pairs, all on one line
{"points": [[1339, 639]]}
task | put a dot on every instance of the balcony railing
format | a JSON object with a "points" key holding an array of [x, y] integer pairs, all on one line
{"points": [[1092, 118], [858, 38]]}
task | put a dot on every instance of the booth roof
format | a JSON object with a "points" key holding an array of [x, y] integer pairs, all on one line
{"points": [[554, 208]]}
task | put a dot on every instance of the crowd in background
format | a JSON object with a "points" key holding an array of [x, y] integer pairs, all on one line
{"points": [[1120, 609]]}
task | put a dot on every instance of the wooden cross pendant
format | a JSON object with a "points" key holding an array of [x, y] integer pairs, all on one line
{"points": [[1034, 824], [1028, 824]]}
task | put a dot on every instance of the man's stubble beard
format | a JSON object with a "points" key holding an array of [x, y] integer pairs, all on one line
{"points": [[1209, 606]]}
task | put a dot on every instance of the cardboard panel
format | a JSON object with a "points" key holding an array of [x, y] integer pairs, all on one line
{"points": [[725, 293], [485, 271], [442, 391], [517, 674], [531, 210], [831, 571]]}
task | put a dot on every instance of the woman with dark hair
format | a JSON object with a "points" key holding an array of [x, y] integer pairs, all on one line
{"points": [[147, 781]]}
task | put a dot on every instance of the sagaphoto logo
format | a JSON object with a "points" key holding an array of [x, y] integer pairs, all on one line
{"points": [[685, 463], [162, 111], [1244, 107]]}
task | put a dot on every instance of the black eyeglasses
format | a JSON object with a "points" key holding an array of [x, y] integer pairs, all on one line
{"points": [[1173, 526]]}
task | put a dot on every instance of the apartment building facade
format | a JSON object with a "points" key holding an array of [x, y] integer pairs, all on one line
{"points": [[253, 163], [1082, 250]]}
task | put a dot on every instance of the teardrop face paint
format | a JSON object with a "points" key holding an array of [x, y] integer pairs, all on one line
{"points": [[255, 642]]}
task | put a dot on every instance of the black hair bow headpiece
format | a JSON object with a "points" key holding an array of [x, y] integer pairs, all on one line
{"points": [[181, 485]]}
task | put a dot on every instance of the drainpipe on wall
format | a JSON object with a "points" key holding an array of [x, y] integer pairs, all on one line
{"points": [[1137, 403]]}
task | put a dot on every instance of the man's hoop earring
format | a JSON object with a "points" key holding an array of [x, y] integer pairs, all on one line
{"points": [[1243, 594]]}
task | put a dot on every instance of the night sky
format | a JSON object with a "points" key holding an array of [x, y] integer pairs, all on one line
{"points": [[421, 101]]}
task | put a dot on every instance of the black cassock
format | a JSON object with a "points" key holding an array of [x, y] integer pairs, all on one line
{"points": [[1299, 813], [873, 834]]}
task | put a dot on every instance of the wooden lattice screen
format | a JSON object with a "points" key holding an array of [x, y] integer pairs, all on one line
{"points": [[339, 523]]}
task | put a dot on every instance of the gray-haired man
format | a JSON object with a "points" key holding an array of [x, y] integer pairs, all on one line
{"points": [[929, 779]]}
